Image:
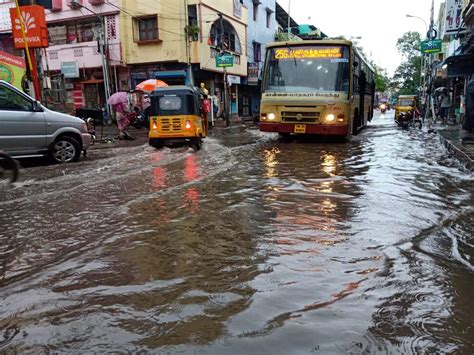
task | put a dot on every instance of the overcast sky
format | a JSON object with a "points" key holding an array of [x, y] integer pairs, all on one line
{"points": [[379, 22]]}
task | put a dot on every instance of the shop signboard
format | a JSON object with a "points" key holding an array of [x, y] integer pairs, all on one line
{"points": [[12, 69], [431, 46], [252, 74], [233, 79], [70, 70], [34, 26], [224, 60], [453, 16]]}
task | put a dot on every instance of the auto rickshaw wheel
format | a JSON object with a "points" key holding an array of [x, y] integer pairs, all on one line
{"points": [[156, 143], [196, 143]]}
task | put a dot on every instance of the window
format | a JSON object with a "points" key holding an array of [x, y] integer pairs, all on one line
{"points": [[146, 28], [269, 18], [229, 39], [13, 101], [257, 52], [255, 11], [170, 103], [74, 32]]}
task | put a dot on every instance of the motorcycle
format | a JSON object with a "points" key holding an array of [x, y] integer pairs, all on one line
{"points": [[383, 108], [90, 128], [138, 120]]}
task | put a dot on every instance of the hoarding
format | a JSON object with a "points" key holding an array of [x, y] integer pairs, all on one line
{"points": [[453, 16], [12, 69], [34, 25]]}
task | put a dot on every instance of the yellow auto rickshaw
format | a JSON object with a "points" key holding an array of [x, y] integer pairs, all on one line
{"points": [[405, 103], [175, 117]]}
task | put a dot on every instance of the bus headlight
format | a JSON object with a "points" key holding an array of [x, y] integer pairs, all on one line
{"points": [[330, 118], [271, 116]]}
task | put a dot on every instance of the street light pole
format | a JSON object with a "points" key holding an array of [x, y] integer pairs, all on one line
{"points": [[423, 63]]}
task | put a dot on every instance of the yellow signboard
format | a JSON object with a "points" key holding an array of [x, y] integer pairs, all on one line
{"points": [[12, 69], [308, 53]]}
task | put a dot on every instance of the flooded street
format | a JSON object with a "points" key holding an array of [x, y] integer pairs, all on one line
{"points": [[252, 245]]}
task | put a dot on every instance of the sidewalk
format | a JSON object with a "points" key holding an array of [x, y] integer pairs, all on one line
{"points": [[459, 142]]}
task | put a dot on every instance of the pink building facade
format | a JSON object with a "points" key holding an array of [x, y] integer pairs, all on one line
{"points": [[74, 59]]}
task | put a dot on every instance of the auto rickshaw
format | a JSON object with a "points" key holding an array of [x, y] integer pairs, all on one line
{"points": [[175, 117], [405, 103], [406, 112]]}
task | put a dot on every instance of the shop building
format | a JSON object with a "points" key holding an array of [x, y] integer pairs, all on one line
{"points": [[84, 44], [178, 41], [262, 28]]}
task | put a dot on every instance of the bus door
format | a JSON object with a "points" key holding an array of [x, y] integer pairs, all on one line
{"points": [[358, 119]]}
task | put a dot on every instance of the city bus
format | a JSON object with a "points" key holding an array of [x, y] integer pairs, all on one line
{"points": [[322, 87]]}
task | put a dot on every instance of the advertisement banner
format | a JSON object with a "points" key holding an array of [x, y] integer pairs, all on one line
{"points": [[453, 16], [12, 69], [34, 22]]}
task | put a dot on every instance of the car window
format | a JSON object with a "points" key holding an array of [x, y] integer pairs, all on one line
{"points": [[12, 101]]}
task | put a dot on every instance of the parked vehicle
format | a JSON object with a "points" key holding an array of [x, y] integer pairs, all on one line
{"points": [[175, 117], [28, 129]]}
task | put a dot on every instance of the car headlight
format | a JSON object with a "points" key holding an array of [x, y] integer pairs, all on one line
{"points": [[330, 118], [84, 127], [271, 116]]}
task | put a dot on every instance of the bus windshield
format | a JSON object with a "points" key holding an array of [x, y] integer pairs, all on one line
{"points": [[311, 68]]}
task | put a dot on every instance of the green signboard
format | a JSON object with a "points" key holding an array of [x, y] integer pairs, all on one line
{"points": [[433, 46], [224, 60]]}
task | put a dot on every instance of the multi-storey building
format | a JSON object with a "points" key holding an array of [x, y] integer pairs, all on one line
{"points": [[178, 41], [84, 42], [262, 27]]}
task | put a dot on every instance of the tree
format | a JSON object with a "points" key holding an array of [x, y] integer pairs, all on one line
{"points": [[407, 75], [382, 80]]}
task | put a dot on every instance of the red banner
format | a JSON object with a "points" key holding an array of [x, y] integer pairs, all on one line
{"points": [[34, 24]]}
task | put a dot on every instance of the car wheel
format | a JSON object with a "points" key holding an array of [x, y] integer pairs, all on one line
{"points": [[65, 150]]}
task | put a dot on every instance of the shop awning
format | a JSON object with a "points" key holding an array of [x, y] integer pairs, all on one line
{"points": [[460, 65], [92, 81]]}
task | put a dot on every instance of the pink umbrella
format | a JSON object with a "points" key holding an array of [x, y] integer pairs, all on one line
{"points": [[117, 98]]}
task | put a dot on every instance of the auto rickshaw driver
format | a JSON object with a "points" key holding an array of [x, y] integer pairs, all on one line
{"points": [[176, 117]]}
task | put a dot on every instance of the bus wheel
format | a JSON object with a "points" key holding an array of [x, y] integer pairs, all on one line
{"points": [[156, 143], [284, 135]]}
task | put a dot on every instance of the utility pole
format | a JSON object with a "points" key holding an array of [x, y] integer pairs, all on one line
{"points": [[188, 42], [289, 20], [226, 92]]}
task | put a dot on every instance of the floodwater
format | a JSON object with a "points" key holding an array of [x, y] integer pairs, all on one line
{"points": [[252, 245]]}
